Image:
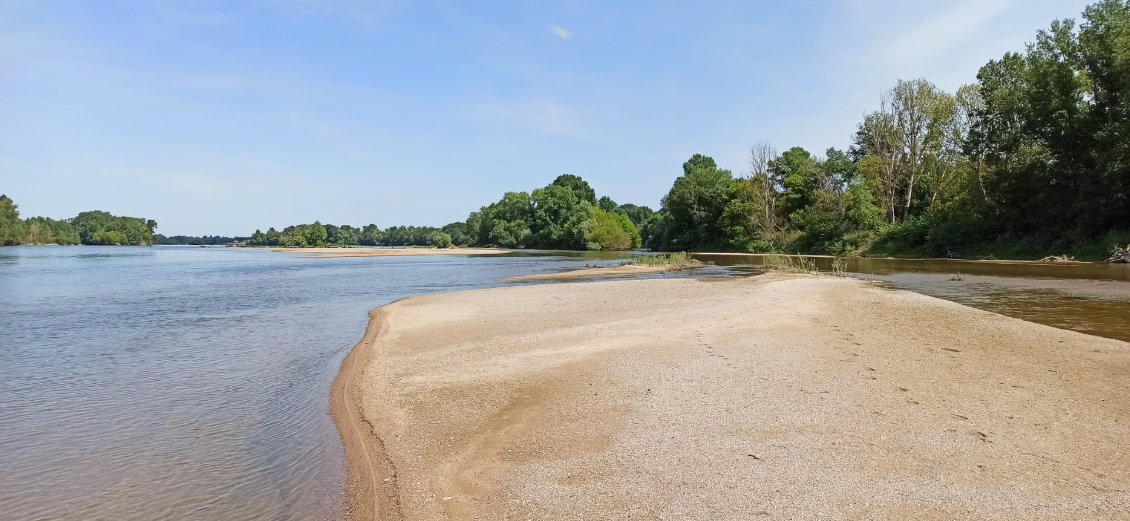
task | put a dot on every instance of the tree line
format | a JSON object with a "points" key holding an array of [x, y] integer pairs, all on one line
{"points": [[564, 215], [94, 227], [322, 235], [1034, 156], [190, 240]]}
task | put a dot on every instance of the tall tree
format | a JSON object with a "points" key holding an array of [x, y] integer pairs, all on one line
{"points": [[11, 228]]}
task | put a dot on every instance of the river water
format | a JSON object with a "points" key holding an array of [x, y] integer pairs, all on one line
{"points": [[193, 383], [190, 383], [1090, 298]]}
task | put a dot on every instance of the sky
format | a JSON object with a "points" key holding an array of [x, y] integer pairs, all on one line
{"points": [[223, 117]]}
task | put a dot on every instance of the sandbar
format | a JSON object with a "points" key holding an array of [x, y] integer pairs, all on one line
{"points": [[626, 270], [330, 253], [770, 397]]}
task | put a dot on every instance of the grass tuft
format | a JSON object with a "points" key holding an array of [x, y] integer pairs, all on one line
{"points": [[677, 261]]}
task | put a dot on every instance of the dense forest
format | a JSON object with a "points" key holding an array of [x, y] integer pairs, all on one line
{"points": [[93, 227]]}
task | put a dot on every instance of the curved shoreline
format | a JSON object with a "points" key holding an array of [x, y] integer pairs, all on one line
{"points": [[369, 466], [486, 399]]}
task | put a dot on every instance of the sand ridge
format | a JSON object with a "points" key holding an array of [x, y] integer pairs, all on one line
{"points": [[771, 397]]}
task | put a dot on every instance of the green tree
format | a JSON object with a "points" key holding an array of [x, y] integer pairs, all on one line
{"points": [[694, 207], [11, 228], [578, 186], [608, 231]]}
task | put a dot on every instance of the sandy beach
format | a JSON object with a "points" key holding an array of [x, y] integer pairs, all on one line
{"points": [[773, 397], [327, 253]]}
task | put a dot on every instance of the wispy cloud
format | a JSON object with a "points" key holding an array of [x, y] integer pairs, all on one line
{"points": [[560, 32]]}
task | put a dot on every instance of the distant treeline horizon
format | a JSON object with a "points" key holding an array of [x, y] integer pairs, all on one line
{"points": [[1031, 159], [93, 228]]}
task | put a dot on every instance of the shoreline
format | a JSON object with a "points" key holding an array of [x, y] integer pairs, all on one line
{"points": [[371, 487], [334, 253], [624, 270], [459, 459], [899, 258]]}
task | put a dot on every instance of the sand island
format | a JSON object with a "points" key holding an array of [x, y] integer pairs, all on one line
{"points": [[775, 397]]}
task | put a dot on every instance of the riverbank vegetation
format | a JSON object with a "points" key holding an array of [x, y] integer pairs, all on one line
{"points": [[564, 215], [1032, 158], [676, 261], [94, 227], [318, 235]]}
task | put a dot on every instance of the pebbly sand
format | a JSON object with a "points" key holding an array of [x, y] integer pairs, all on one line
{"points": [[775, 397], [328, 253]]}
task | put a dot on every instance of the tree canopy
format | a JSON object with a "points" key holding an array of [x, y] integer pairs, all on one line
{"points": [[94, 227]]}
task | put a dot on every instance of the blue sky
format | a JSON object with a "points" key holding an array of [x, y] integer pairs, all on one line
{"points": [[223, 117]]}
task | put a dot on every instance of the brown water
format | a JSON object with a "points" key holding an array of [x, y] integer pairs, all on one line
{"points": [[1091, 298]]}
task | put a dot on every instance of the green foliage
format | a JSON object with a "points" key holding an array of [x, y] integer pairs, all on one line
{"points": [[564, 215], [11, 228], [441, 240], [458, 233], [205, 240], [609, 232], [44, 230], [97, 227], [1054, 129], [693, 208], [318, 235], [579, 187], [676, 261]]}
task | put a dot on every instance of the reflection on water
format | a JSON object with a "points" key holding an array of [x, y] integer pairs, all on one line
{"points": [[1089, 298], [189, 383]]}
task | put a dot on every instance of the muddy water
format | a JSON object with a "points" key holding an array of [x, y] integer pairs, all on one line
{"points": [[1090, 298]]}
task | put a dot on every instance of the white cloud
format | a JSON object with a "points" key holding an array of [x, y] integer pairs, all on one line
{"points": [[560, 32]]}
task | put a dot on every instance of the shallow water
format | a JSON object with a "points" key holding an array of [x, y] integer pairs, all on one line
{"points": [[190, 383], [1090, 298], [193, 383]]}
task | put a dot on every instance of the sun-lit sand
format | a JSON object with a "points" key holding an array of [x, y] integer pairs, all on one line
{"points": [[388, 252], [626, 270], [775, 397]]}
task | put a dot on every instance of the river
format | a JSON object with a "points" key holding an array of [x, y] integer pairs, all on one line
{"points": [[192, 383]]}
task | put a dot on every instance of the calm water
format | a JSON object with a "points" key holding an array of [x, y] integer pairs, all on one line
{"points": [[193, 383], [1091, 298], [189, 383]]}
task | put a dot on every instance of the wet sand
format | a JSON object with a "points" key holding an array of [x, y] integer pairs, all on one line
{"points": [[329, 253], [769, 397], [626, 270]]}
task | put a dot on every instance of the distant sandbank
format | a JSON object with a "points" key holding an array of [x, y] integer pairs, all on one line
{"points": [[324, 253], [626, 270], [773, 396]]}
